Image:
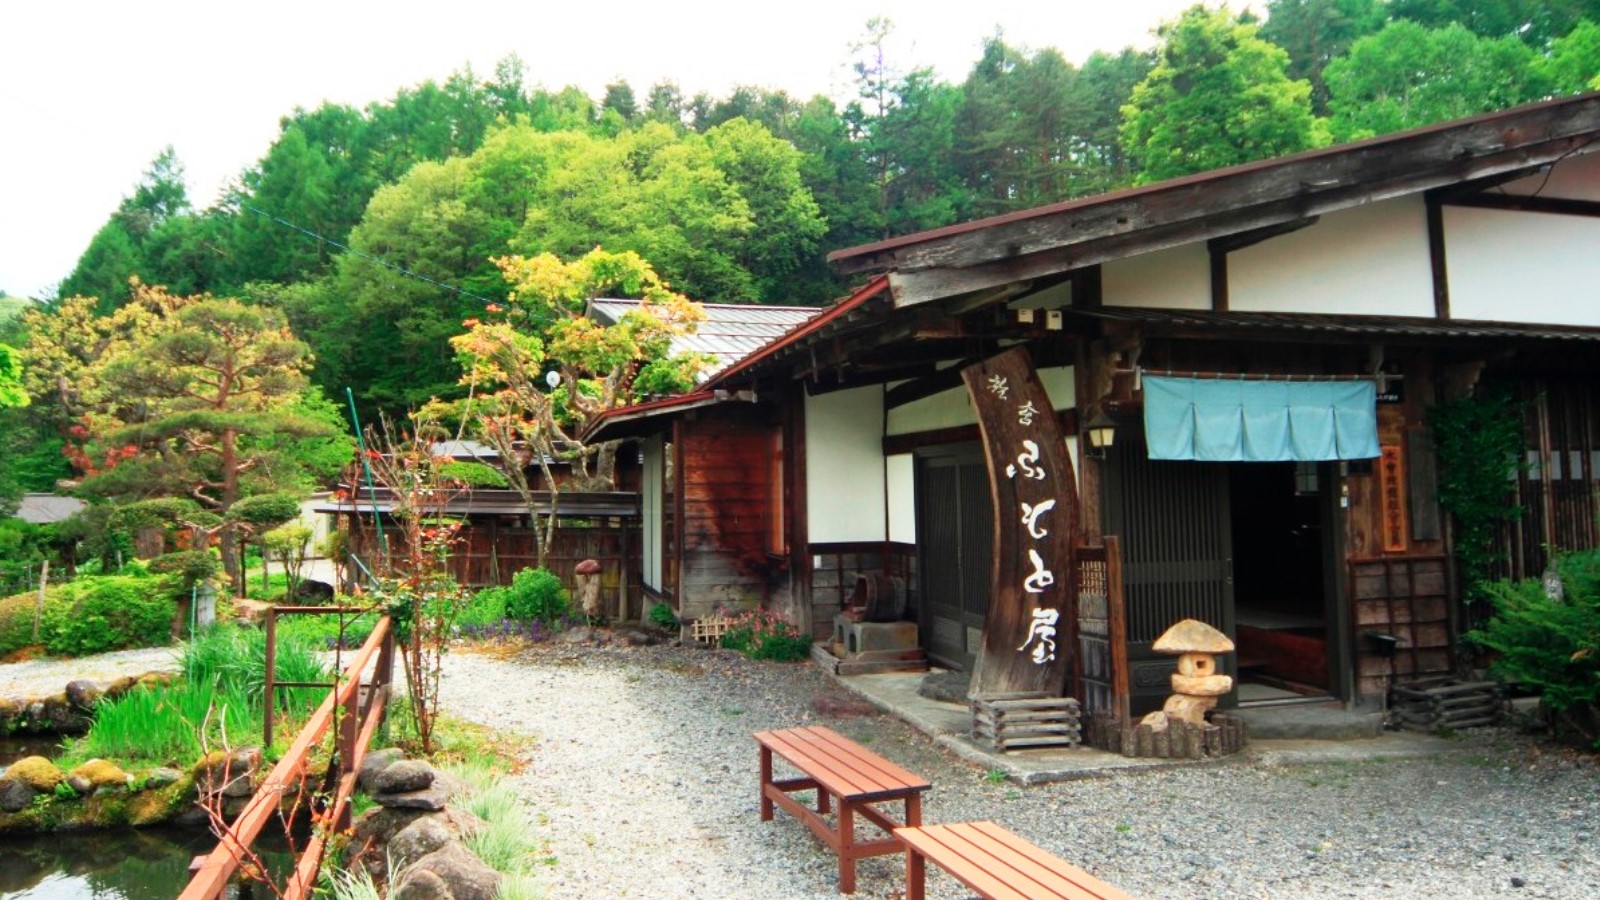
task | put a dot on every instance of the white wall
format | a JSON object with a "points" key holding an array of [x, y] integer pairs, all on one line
{"points": [[650, 509], [900, 472], [1523, 267], [1370, 260], [1576, 178], [953, 408], [845, 492], [1179, 278]]}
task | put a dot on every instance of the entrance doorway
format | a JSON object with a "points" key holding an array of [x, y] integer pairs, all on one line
{"points": [[955, 552], [1281, 517]]}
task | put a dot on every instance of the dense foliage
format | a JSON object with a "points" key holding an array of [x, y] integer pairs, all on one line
{"points": [[1479, 440], [536, 595], [762, 634], [1552, 643], [93, 615]]}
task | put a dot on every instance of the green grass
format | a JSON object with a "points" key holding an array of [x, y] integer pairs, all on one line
{"points": [[163, 725], [235, 658], [506, 842]]}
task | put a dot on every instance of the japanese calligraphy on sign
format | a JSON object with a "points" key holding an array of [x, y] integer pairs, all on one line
{"points": [[1030, 632], [1391, 498]]}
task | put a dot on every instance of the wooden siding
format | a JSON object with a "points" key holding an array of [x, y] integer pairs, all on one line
{"points": [[723, 484], [1409, 598]]}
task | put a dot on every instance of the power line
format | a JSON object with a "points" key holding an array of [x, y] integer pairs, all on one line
{"points": [[367, 256]]}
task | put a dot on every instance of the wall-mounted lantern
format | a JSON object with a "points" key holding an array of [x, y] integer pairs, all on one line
{"points": [[1102, 434]]}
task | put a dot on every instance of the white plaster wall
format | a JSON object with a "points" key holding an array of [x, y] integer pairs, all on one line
{"points": [[845, 492], [900, 472], [1179, 278], [953, 408], [650, 508], [1370, 260], [1575, 178], [1522, 266]]}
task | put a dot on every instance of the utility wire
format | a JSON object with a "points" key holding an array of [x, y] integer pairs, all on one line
{"points": [[367, 256]]}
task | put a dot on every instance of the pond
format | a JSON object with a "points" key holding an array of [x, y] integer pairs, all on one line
{"points": [[128, 864]]}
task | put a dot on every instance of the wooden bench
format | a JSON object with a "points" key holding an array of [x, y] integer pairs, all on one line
{"points": [[848, 779], [995, 863]]}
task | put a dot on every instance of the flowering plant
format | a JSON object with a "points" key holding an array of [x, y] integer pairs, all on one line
{"points": [[762, 634]]}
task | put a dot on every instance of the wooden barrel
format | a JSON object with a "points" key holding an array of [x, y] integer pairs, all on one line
{"points": [[882, 598]]}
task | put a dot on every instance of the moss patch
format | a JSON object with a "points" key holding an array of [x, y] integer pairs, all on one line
{"points": [[101, 773], [36, 772]]}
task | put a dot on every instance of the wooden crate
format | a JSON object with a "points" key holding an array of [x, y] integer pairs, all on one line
{"points": [[1433, 704], [1012, 721]]}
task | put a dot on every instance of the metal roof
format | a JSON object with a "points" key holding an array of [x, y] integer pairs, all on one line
{"points": [[1315, 323], [489, 502], [730, 332]]}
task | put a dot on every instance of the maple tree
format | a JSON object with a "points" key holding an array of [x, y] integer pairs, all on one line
{"points": [[544, 328]]}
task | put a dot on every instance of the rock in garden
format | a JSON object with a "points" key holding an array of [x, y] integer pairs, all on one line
{"points": [[430, 799], [15, 795], [636, 638], [160, 778], [465, 876], [375, 762], [422, 886], [98, 773], [404, 776], [423, 836], [83, 694], [79, 784], [37, 773]]}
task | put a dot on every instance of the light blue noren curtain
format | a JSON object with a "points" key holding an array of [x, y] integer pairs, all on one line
{"points": [[1250, 420]]}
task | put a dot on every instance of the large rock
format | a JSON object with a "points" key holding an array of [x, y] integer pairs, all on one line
{"points": [[99, 773], [423, 836], [375, 762], [431, 799], [404, 777], [84, 694], [422, 886], [15, 795], [36, 772], [465, 876]]}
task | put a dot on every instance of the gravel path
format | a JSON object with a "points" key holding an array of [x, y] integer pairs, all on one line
{"points": [[643, 778], [39, 677]]}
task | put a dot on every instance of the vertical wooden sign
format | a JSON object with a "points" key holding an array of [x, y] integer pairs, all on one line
{"points": [[1391, 497], [1030, 635]]}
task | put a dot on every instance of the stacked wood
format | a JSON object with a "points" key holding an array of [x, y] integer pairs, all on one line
{"points": [[1029, 719], [1221, 735], [1435, 704]]}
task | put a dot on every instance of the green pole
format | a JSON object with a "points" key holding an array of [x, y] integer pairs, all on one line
{"points": [[361, 442]]}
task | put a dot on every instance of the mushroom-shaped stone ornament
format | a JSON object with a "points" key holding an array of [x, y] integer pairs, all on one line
{"points": [[1196, 685], [587, 576]]}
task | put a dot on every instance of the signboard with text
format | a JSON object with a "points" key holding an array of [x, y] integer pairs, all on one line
{"points": [[1030, 633]]}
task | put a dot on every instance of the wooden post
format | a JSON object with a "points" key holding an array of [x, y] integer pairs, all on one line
{"points": [[1117, 633], [267, 698], [38, 608]]}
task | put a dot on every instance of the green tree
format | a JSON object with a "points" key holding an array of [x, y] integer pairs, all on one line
{"points": [[118, 250], [11, 391], [1315, 32], [205, 402], [1407, 75], [1218, 96], [1573, 65], [1534, 22], [1104, 85]]}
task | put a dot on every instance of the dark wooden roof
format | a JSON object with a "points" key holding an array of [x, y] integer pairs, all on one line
{"points": [[1315, 326], [1049, 240]]}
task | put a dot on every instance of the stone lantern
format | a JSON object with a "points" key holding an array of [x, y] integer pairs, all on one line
{"points": [[587, 576], [1196, 685]]}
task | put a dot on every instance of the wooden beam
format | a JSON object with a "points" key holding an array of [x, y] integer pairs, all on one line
{"points": [[1522, 203], [896, 444], [922, 388], [1436, 259], [1243, 239], [1219, 276], [1315, 183]]}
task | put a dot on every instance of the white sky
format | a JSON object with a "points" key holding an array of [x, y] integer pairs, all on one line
{"points": [[90, 92]]}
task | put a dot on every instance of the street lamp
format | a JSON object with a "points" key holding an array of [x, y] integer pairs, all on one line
{"points": [[1102, 434]]}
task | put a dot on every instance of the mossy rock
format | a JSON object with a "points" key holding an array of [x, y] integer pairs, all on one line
{"points": [[101, 773], [104, 809], [36, 772]]}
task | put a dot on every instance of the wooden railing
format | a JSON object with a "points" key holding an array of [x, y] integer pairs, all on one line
{"points": [[355, 709]]}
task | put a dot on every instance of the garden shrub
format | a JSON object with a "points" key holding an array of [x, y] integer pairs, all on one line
{"points": [[1549, 644], [759, 634], [113, 612], [662, 617], [16, 618], [537, 595], [487, 607]]}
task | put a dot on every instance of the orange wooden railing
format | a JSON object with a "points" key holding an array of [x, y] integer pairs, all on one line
{"points": [[356, 722]]}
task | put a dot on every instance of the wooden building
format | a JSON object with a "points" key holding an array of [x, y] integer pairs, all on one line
{"points": [[1201, 318]]}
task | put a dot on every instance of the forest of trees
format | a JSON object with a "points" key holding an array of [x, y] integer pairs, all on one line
{"points": [[371, 234]]}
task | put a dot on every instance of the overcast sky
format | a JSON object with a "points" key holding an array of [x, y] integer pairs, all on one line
{"points": [[91, 92]]}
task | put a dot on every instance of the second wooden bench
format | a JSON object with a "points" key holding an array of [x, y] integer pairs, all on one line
{"points": [[995, 863], [848, 779]]}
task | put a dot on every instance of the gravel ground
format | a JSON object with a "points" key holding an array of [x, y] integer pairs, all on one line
{"points": [[643, 777], [39, 677]]}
